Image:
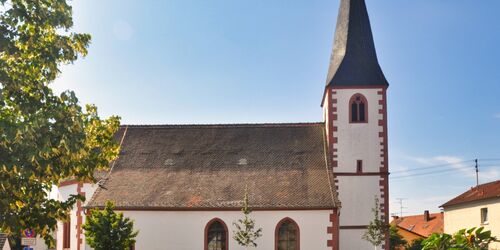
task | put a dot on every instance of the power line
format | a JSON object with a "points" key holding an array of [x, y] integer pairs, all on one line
{"points": [[450, 167], [432, 167], [444, 171], [498, 159], [490, 165], [432, 172], [445, 165]]}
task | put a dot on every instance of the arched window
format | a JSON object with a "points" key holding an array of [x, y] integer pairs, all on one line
{"points": [[216, 235], [359, 109], [287, 235]]}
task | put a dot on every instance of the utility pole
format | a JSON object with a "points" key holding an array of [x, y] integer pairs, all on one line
{"points": [[477, 174], [400, 201]]}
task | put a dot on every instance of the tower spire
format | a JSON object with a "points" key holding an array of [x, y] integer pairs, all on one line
{"points": [[354, 59]]}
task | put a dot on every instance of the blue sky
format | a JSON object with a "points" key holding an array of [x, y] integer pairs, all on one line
{"points": [[223, 61]]}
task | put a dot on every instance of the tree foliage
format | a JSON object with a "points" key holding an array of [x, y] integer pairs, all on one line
{"points": [[415, 245], [44, 137], [108, 230], [396, 241], [245, 233], [378, 228], [465, 239]]}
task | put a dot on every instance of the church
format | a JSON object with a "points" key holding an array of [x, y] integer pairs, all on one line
{"points": [[311, 186]]}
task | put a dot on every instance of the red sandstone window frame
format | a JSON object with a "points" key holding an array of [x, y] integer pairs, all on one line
{"points": [[364, 101], [67, 233], [207, 227], [297, 232]]}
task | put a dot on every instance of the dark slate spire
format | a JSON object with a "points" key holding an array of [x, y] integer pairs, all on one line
{"points": [[354, 59]]}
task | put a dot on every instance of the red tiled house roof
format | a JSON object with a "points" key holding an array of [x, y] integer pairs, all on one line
{"points": [[418, 224], [481, 192]]}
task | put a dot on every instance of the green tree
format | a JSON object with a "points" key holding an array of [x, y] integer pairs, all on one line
{"points": [[245, 233], [396, 241], [465, 239], [108, 230], [44, 137], [378, 228], [415, 245]]}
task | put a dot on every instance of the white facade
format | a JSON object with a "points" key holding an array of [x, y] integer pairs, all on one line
{"points": [[468, 215], [353, 142], [185, 230]]}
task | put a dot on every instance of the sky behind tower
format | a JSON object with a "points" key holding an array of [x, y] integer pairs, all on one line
{"points": [[222, 61]]}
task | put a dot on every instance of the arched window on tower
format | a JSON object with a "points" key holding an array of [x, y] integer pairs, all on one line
{"points": [[287, 235], [358, 109], [216, 235]]}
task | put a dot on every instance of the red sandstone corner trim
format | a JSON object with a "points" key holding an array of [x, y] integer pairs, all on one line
{"points": [[334, 242], [79, 218], [276, 232], [205, 245], [384, 165]]}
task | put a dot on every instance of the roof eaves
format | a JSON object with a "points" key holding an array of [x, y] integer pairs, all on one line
{"points": [[451, 203]]}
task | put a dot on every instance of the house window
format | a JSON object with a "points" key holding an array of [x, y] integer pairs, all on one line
{"points": [[216, 235], [67, 234], [484, 215], [359, 109], [359, 166], [287, 235]]}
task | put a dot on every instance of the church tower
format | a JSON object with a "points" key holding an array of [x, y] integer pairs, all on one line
{"points": [[355, 112]]}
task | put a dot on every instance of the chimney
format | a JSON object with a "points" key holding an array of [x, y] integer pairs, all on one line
{"points": [[427, 216]]}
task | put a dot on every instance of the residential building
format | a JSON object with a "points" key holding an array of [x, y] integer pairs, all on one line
{"points": [[477, 207], [420, 226]]}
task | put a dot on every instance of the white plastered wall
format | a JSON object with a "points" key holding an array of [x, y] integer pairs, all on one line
{"points": [[352, 240], [184, 230], [357, 195]]}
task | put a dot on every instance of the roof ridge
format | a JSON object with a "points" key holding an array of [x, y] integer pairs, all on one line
{"points": [[228, 125]]}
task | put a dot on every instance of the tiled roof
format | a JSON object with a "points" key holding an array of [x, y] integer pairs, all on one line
{"points": [[3, 240], [481, 192], [208, 166], [418, 225]]}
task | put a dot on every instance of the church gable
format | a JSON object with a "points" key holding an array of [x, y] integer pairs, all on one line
{"points": [[208, 167]]}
